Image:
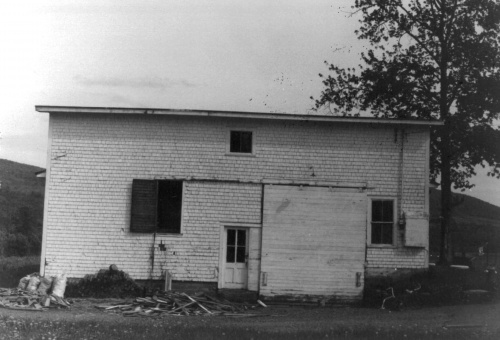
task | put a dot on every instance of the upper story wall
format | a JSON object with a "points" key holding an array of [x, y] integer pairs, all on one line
{"points": [[154, 146]]}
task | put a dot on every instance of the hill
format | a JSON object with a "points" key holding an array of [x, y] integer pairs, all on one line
{"points": [[21, 212], [465, 207], [474, 223]]}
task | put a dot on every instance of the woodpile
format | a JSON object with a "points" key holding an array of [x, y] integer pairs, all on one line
{"points": [[180, 304], [15, 298]]}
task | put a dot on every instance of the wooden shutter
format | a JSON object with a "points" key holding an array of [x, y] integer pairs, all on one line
{"points": [[144, 206]]}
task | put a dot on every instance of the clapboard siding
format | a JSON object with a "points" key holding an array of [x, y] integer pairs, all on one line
{"points": [[313, 241], [94, 158]]}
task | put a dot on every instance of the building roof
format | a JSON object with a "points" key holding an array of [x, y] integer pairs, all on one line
{"points": [[232, 114]]}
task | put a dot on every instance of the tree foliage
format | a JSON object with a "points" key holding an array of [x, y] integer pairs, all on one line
{"points": [[24, 235], [430, 59]]}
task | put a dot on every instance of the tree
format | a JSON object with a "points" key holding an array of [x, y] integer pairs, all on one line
{"points": [[430, 59]]}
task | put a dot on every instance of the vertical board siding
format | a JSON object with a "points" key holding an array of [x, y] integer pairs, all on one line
{"points": [[94, 159], [313, 241], [254, 258]]}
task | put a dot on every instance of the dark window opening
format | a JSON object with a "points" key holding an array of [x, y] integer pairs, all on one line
{"points": [[169, 206], [156, 206], [241, 142], [382, 221]]}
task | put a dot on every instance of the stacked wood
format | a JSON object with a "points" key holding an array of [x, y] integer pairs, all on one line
{"points": [[180, 304], [15, 298]]}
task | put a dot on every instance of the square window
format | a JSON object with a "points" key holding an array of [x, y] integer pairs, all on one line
{"points": [[240, 142], [156, 206], [382, 221]]}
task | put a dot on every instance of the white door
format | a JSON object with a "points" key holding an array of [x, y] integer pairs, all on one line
{"points": [[236, 258]]}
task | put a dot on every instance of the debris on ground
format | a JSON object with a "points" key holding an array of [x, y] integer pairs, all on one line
{"points": [[36, 293], [59, 285], [262, 303], [15, 298], [175, 303]]}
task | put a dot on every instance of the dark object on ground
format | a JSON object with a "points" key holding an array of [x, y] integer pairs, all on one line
{"points": [[104, 284]]}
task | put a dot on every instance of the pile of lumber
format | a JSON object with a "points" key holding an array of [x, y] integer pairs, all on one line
{"points": [[15, 298], [173, 303]]}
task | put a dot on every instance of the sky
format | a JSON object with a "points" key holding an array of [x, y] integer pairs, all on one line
{"points": [[259, 55]]}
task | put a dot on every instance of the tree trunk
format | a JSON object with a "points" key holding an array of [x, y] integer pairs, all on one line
{"points": [[444, 147], [445, 213]]}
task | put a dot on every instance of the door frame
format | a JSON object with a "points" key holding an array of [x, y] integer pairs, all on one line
{"points": [[222, 246]]}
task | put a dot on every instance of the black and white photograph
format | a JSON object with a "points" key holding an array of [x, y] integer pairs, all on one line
{"points": [[280, 169]]}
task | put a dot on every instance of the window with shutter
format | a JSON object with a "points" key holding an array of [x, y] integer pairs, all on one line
{"points": [[156, 206]]}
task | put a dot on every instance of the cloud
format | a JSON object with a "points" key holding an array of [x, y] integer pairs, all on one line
{"points": [[142, 82]]}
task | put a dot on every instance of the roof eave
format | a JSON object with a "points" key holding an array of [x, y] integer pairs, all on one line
{"points": [[233, 114]]}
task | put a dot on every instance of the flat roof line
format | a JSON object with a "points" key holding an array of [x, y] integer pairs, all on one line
{"points": [[232, 114]]}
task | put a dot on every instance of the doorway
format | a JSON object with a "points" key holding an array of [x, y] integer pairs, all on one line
{"points": [[236, 258]]}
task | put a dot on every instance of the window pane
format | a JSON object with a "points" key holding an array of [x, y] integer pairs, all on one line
{"points": [[240, 141], [230, 254], [382, 233], [386, 233], [246, 142], [388, 211], [376, 233], [382, 211], [242, 237], [235, 145], [231, 237], [377, 210], [240, 255]]}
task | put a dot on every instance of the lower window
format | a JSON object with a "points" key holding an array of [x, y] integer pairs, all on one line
{"points": [[382, 221]]}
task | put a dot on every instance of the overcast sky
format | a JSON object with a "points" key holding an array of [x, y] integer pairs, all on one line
{"points": [[217, 55]]}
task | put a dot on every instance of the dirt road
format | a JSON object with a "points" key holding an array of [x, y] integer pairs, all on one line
{"points": [[83, 321]]}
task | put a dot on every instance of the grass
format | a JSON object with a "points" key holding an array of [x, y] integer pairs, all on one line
{"points": [[13, 268], [172, 328], [440, 286]]}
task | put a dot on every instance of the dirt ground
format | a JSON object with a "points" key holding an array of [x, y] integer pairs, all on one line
{"points": [[84, 321]]}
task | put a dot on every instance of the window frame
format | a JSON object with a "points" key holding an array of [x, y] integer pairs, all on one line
{"points": [[370, 222], [135, 225], [228, 142]]}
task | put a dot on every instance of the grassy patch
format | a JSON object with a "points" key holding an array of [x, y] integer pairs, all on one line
{"points": [[172, 328], [13, 268]]}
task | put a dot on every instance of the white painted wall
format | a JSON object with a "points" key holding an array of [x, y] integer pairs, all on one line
{"points": [[94, 158]]}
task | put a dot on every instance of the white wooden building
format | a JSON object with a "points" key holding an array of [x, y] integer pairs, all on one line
{"points": [[287, 205]]}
